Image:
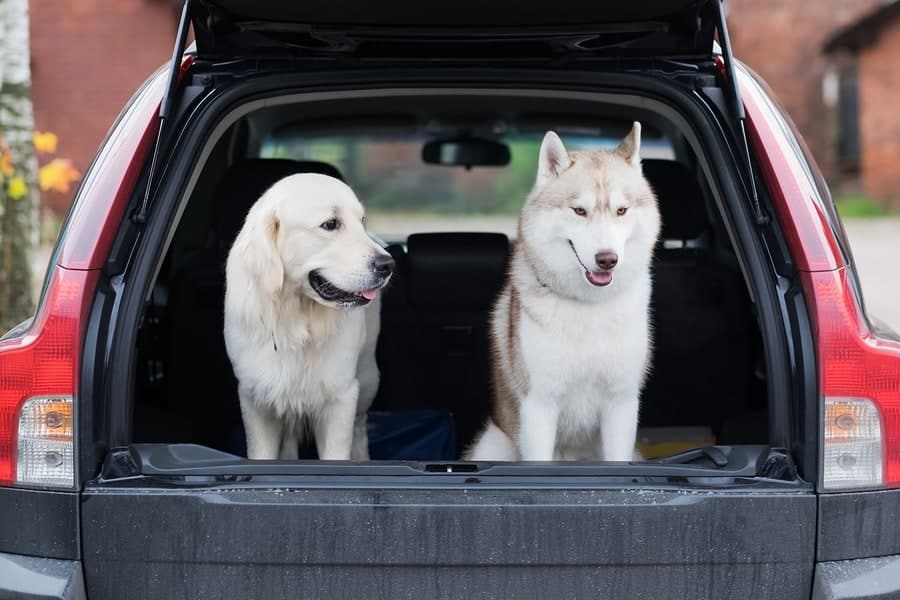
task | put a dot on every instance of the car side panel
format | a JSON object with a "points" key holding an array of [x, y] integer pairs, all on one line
{"points": [[109, 184], [795, 198]]}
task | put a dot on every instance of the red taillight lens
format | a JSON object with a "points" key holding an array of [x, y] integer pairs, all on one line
{"points": [[44, 362], [855, 364]]}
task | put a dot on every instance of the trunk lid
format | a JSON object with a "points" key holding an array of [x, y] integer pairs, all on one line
{"points": [[413, 29]]}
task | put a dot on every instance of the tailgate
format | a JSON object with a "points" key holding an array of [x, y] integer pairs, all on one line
{"points": [[394, 531]]}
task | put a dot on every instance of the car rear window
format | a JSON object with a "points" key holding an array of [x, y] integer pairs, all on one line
{"points": [[404, 195]]}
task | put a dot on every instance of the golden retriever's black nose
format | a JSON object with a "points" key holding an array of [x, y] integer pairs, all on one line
{"points": [[606, 259], [383, 265]]}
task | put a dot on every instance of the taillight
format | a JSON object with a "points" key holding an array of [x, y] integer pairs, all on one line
{"points": [[860, 383], [38, 378], [853, 444]]}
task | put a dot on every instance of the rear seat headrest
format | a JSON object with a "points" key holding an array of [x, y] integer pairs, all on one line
{"points": [[680, 199], [455, 270], [245, 181]]}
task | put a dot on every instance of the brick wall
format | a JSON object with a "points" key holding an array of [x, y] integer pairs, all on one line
{"points": [[879, 91], [88, 58], [782, 41]]}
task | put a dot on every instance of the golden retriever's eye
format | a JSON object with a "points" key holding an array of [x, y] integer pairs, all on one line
{"points": [[579, 211], [622, 210], [330, 225]]}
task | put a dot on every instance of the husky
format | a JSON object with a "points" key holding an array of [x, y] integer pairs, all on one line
{"points": [[302, 318], [570, 332]]}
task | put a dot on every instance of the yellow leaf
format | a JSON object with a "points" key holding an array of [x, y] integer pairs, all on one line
{"points": [[6, 167], [17, 188], [45, 141], [57, 175]]}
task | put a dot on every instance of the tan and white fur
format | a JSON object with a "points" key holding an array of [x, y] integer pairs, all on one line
{"points": [[302, 318], [570, 331]]}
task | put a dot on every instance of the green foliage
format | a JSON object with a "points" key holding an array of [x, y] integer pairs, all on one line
{"points": [[514, 183], [859, 206]]}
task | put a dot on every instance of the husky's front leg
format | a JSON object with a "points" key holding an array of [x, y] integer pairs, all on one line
{"points": [[538, 417], [334, 424], [618, 428], [360, 449]]}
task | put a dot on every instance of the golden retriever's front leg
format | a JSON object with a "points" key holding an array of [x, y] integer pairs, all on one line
{"points": [[289, 442], [263, 430], [334, 426]]}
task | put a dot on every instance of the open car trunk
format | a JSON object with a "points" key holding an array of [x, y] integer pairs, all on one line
{"points": [[708, 380], [721, 510]]}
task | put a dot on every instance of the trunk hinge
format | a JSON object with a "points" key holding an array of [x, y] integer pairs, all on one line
{"points": [[166, 105], [737, 109]]}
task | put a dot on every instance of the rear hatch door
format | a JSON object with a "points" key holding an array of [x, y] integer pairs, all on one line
{"points": [[526, 28]]}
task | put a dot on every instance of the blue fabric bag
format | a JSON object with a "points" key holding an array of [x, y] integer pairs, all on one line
{"points": [[412, 435]]}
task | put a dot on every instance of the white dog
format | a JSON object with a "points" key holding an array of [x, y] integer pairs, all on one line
{"points": [[570, 332], [302, 354]]}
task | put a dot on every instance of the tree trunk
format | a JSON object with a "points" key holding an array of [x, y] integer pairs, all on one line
{"points": [[18, 227]]}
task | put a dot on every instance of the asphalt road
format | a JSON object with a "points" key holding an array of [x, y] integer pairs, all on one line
{"points": [[875, 244]]}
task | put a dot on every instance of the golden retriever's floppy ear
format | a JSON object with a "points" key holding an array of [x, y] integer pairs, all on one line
{"points": [[261, 253]]}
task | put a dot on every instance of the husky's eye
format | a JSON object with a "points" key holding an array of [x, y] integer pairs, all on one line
{"points": [[579, 211], [622, 210], [330, 225]]}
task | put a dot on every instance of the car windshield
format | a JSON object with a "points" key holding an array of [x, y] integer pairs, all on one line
{"points": [[404, 195]]}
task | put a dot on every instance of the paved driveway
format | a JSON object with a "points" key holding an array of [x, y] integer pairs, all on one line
{"points": [[876, 248]]}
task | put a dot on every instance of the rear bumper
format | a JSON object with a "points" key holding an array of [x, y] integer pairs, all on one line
{"points": [[259, 539], [40, 578], [47, 578], [869, 578]]}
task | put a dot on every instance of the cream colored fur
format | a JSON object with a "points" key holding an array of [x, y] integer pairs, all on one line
{"points": [[571, 340], [300, 360]]}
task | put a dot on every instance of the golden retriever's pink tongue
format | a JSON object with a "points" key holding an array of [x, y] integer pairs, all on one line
{"points": [[369, 294]]}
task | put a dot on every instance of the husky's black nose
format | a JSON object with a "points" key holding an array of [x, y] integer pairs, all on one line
{"points": [[606, 259], [383, 265]]}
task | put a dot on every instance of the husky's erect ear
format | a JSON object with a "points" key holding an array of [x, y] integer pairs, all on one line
{"points": [[630, 147], [553, 158], [261, 253]]}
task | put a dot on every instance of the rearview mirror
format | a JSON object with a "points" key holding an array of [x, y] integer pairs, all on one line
{"points": [[466, 152]]}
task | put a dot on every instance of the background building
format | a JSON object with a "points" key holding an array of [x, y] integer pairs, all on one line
{"points": [[89, 56]]}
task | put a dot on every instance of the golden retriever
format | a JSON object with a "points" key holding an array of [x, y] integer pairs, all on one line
{"points": [[302, 318]]}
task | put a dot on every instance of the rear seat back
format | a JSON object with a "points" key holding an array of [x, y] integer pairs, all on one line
{"points": [[703, 346], [433, 349]]}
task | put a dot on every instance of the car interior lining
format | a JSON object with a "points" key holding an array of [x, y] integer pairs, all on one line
{"points": [[707, 367]]}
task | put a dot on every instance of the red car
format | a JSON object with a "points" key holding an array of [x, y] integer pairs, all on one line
{"points": [[771, 419]]}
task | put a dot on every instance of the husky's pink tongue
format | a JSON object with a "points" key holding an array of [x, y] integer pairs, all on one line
{"points": [[600, 278], [369, 294]]}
